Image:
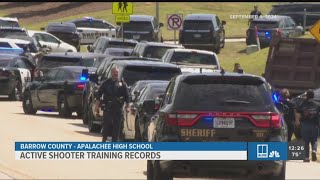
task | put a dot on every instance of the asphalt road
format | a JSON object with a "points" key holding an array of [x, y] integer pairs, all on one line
{"points": [[16, 126]]}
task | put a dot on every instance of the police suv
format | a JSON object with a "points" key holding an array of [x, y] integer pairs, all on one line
{"points": [[91, 29], [217, 107]]}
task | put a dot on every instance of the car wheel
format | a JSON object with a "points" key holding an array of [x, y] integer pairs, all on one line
{"points": [[137, 134], [149, 170], [15, 95], [94, 128], [63, 107], [158, 174], [27, 104], [85, 113]]}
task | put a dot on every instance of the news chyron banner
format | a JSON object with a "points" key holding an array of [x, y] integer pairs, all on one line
{"points": [[151, 151]]}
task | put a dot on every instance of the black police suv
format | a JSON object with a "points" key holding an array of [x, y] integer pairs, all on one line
{"points": [[67, 32], [53, 60], [15, 73], [102, 43], [152, 50], [59, 90], [267, 27], [142, 109], [131, 71], [118, 51], [142, 28], [12, 31], [296, 11], [217, 107], [203, 31]]}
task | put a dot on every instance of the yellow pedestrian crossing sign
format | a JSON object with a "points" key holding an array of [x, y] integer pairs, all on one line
{"points": [[123, 8], [315, 31]]}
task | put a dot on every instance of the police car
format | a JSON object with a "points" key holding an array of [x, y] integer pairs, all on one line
{"points": [[91, 29], [217, 107], [11, 21], [15, 73]]}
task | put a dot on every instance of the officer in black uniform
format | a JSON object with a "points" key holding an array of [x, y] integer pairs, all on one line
{"points": [[254, 14], [115, 93], [308, 114], [288, 109]]}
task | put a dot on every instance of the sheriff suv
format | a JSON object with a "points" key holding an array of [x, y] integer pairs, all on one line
{"points": [[203, 31], [232, 107]]}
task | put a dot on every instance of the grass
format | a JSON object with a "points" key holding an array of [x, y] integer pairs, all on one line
{"points": [[233, 28]]}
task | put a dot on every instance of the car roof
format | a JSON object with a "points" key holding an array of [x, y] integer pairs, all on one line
{"points": [[119, 49], [273, 18], [140, 18], [192, 50], [159, 44], [14, 40], [13, 28], [144, 63], [150, 81], [157, 84], [222, 75], [64, 24], [118, 39], [76, 55], [200, 17], [87, 18], [9, 19], [77, 68]]}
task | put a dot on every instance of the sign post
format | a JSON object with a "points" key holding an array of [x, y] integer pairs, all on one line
{"points": [[315, 30], [174, 22], [122, 12]]}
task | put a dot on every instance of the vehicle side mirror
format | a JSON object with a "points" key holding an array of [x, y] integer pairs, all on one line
{"points": [[89, 48], [93, 78], [42, 28], [149, 106], [161, 24], [224, 22]]}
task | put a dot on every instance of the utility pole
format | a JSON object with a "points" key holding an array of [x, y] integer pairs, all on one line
{"points": [[157, 13]]}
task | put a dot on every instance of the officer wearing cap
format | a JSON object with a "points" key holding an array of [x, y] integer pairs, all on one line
{"points": [[308, 114], [114, 93]]}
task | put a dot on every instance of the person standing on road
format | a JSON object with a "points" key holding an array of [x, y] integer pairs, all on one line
{"points": [[237, 68], [115, 93], [254, 14], [288, 110], [308, 114]]}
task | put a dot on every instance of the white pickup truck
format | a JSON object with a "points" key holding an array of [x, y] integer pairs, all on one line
{"points": [[91, 29]]}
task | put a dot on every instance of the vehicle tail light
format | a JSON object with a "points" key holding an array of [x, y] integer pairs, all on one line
{"points": [[4, 73], [267, 121], [180, 119], [80, 86]]}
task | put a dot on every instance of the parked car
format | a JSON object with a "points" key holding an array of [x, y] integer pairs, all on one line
{"points": [[15, 73], [102, 43], [58, 91], [131, 71], [284, 26], [51, 41], [67, 32], [192, 60], [54, 60], [217, 107], [10, 21], [91, 29], [142, 28], [296, 11], [203, 31], [152, 49], [139, 85], [142, 109], [118, 51], [10, 31]]}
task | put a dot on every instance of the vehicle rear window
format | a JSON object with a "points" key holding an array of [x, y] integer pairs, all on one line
{"points": [[88, 62], [197, 25], [132, 74], [117, 44], [13, 24], [155, 92], [4, 62], [10, 32], [91, 24], [264, 24], [193, 58], [155, 51], [51, 62], [5, 45], [31, 47], [138, 26], [69, 29], [223, 97]]}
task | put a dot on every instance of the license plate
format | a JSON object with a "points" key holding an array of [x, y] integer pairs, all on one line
{"points": [[197, 35], [136, 36], [223, 122]]}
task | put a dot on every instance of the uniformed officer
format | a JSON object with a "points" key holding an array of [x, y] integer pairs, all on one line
{"points": [[289, 112], [308, 114], [115, 93], [254, 14]]}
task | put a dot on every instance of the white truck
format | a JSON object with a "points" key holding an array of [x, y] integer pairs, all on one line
{"points": [[91, 29]]}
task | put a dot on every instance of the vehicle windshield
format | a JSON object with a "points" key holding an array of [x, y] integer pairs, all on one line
{"points": [[31, 47], [13, 24], [88, 62], [193, 58], [118, 44], [52, 62], [98, 61], [264, 24], [9, 32], [4, 23], [67, 29], [223, 97], [132, 74], [197, 25], [4, 62], [91, 24], [155, 51], [138, 26], [118, 52]]}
